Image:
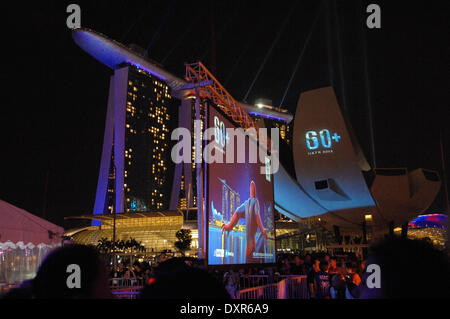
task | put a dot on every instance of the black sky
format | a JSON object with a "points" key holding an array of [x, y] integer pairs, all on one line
{"points": [[54, 101]]}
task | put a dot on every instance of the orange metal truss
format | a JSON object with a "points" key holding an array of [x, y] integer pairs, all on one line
{"points": [[196, 73]]}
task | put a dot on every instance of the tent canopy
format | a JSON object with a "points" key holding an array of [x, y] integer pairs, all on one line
{"points": [[18, 225]]}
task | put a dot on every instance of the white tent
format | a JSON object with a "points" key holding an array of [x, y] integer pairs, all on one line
{"points": [[25, 240], [18, 225]]}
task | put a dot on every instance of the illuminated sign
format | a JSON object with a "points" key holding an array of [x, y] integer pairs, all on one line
{"points": [[321, 142], [268, 169], [220, 132], [240, 208]]}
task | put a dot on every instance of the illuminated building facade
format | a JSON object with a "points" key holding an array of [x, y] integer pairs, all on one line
{"points": [[269, 117], [136, 150], [281, 124], [187, 196], [156, 231]]}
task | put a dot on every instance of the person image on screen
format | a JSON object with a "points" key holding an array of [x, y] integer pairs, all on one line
{"points": [[249, 210]]}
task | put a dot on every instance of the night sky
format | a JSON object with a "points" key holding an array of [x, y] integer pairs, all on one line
{"points": [[54, 103]]}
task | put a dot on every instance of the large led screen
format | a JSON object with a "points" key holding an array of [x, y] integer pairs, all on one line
{"points": [[239, 201]]}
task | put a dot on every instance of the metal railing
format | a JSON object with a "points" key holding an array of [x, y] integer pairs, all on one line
{"points": [[119, 283], [250, 287], [126, 288], [289, 287], [253, 281], [127, 293], [296, 287], [262, 292]]}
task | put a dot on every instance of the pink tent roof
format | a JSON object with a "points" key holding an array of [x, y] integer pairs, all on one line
{"points": [[18, 225]]}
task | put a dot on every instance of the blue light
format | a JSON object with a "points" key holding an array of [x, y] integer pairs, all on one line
{"points": [[311, 136], [336, 137], [325, 138], [312, 140], [271, 117], [152, 72]]}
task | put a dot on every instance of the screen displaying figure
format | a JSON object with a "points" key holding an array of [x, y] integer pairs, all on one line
{"points": [[249, 211], [240, 203]]}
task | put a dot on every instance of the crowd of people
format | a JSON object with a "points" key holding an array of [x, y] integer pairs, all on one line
{"points": [[129, 275], [140, 273], [327, 277]]}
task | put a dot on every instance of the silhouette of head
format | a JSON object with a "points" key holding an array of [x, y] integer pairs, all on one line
{"points": [[252, 189], [52, 276], [401, 280], [176, 280]]}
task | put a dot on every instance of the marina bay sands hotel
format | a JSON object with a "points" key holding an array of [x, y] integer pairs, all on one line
{"points": [[324, 186]]}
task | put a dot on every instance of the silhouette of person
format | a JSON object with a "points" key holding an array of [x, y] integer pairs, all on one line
{"points": [[174, 279], [249, 210], [428, 277], [51, 279]]}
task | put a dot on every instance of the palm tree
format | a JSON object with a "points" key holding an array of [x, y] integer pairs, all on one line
{"points": [[104, 245], [120, 245]]}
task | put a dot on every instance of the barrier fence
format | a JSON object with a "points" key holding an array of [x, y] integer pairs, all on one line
{"points": [[250, 287], [254, 281], [126, 293], [116, 283], [288, 287], [126, 288]]}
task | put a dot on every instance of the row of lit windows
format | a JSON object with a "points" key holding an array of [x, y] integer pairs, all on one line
{"points": [[160, 134], [154, 156], [169, 222], [159, 180], [133, 96], [159, 170], [157, 83], [182, 203]]}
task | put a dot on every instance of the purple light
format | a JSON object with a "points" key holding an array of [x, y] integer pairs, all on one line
{"points": [[432, 220], [268, 116], [137, 65]]}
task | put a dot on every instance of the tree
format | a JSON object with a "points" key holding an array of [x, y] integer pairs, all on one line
{"points": [[184, 240], [106, 246]]}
